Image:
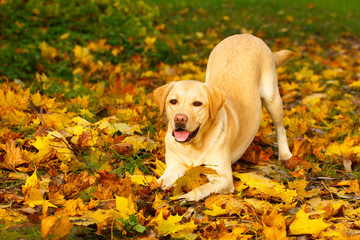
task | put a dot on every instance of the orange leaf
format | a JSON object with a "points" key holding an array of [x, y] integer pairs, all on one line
{"points": [[56, 227], [274, 226], [13, 156]]}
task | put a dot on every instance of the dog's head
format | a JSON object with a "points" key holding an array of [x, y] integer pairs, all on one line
{"points": [[190, 105]]}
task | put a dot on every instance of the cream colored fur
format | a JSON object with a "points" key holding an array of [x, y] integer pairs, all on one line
{"points": [[240, 73]]}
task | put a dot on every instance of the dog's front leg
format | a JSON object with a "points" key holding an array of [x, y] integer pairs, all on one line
{"points": [[222, 182], [174, 169], [170, 176]]}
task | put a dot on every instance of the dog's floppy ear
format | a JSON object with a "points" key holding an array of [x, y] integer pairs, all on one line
{"points": [[161, 94], [216, 98]]}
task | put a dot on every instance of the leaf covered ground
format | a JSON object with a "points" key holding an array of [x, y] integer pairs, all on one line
{"points": [[81, 139]]}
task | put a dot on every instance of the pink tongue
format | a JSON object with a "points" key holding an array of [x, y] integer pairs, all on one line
{"points": [[181, 136]]}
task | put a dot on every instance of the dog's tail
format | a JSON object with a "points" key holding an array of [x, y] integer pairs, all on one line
{"points": [[281, 57]]}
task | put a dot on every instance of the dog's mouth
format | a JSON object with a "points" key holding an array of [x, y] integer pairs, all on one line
{"points": [[182, 136]]}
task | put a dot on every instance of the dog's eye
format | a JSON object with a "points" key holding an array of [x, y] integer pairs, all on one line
{"points": [[197, 103], [173, 101]]}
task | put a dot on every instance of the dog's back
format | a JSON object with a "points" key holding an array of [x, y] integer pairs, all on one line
{"points": [[236, 62]]}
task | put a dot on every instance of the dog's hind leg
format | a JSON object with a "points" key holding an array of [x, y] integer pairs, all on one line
{"points": [[270, 95]]}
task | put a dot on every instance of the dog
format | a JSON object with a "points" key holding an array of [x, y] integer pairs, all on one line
{"points": [[212, 123]]}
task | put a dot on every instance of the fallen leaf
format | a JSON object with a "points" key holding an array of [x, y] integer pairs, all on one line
{"points": [[140, 142], [125, 206], [13, 156], [274, 227], [11, 216], [302, 224], [55, 227], [224, 204], [267, 186], [193, 177], [173, 225]]}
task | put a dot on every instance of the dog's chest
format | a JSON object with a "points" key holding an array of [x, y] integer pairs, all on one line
{"points": [[191, 156]]}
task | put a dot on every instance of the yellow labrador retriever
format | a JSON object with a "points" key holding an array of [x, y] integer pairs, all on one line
{"points": [[213, 123]]}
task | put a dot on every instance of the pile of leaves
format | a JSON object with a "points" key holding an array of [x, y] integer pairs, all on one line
{"points": [[81, 140]]}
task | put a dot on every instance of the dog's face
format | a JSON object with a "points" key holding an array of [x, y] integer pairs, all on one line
{"points": [[189, 106]]}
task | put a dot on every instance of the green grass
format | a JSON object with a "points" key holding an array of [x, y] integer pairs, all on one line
{"points": [[126, 23], [296, 19]]}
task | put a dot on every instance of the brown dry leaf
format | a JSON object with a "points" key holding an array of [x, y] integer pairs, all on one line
{"points": [[347, 164], [13, 157], [124, 148], [194, 177], [83, 138]]}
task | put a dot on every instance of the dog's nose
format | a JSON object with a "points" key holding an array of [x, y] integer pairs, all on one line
{"points": [[180, 118]]}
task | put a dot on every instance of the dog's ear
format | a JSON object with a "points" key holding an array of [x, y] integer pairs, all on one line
{"points": [[216, 98], [161, 94]]}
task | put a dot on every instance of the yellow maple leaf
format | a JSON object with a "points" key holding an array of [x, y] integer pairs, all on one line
{"points": [[42, 101], [347, 147], [173, 225], [125, 206], [43, 144], [34, 197], [10, 98], [300, 185], [32, 192], [142, 179], [193, 177], [215, 211], [274, 227], [302, 224], [267, 186], [31, 181]]}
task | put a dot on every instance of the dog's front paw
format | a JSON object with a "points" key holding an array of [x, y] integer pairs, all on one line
{"points": [[284, 156], [165, 183], [190, 196]]}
